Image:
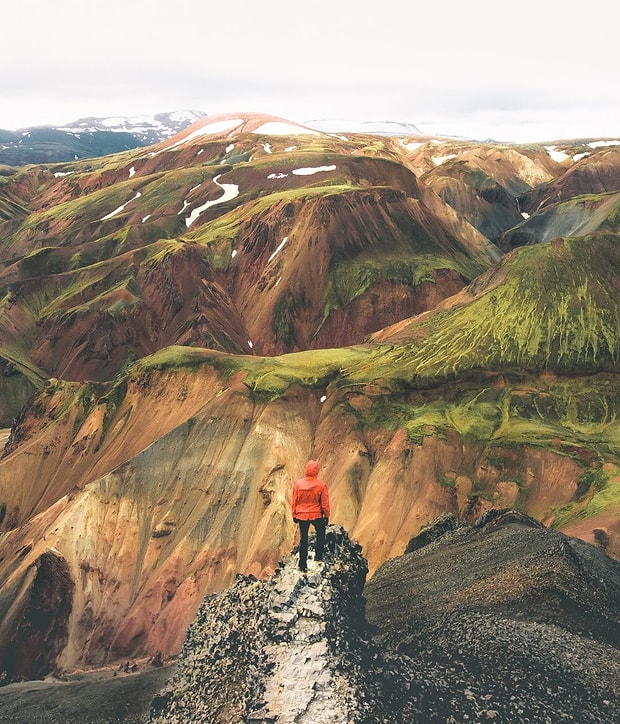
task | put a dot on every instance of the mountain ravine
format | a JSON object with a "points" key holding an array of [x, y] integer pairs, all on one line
{"points": [[199, 489]]}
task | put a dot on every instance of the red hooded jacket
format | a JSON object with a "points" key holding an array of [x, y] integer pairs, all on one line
{"points": [[310, 496]]}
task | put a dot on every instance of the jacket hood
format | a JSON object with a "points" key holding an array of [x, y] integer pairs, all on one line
{"points": [[312, 469]]}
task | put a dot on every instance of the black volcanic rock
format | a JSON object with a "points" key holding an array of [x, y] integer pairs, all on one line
{"points": [[292, 648], [33, 630], [505, 620]]}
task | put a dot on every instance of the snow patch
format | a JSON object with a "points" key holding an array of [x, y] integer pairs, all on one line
{"points": [[411, 146], [277, 175], [209, 130], [120, 208], [599, 144], [279, 247], [230, 192], [556, 155], [275, 128], [132, 171], [267, 147], [438, 160], [310, 171]]}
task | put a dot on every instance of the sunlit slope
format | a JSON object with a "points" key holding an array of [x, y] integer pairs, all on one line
{"points": [[552, 306], [595, 170], [158, 488], [86, 323], [325, 267]]}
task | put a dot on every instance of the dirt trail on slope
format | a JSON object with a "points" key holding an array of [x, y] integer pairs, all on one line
{"points": [[302, 687]]}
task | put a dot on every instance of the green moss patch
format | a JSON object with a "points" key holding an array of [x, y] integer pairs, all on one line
{"points": [[603, 494], [556, 309]]}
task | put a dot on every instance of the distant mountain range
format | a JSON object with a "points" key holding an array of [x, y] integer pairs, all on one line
{"points": [[378, 128], [90, 137]]}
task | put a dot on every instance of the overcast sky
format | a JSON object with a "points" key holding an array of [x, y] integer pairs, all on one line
{"points": [[532, 70]]}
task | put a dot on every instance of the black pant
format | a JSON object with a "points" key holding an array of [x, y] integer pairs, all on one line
{"points": [[304, 526]]}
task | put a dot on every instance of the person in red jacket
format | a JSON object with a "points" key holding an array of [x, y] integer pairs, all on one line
{"points": [[310, 505]]}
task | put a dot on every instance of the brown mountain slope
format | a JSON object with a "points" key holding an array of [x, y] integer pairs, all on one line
{"points": [[597, 171], [494, 187], [301, 268], [275, 248]]}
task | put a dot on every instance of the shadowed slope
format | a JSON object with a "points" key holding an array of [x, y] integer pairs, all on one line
{"points": [[577, 216]]}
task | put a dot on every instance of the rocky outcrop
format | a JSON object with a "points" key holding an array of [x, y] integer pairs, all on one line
{"points": [[294, 648], [34, 616], [502, 620]]}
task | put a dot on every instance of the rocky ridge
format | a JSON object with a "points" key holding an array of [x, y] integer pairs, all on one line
{"points": [[502, 620], [300, 648], [278, 650], [505, 620]]}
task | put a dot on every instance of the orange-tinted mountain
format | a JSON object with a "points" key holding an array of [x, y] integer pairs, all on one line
{"points": [[182, 326]]}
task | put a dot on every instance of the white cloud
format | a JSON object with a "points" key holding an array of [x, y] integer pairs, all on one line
{"points": [[529, 72]]}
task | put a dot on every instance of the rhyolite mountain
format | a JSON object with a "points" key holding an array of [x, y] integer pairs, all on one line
{"points": [[89, 137], [183, 325]]}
